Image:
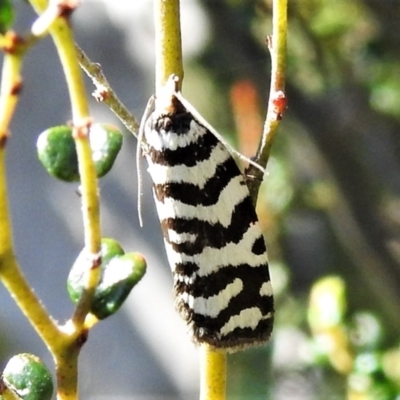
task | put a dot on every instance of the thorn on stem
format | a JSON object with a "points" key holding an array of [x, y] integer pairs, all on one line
{"points": [[66, 8], [279, 103], [16, 88], [3, 140], [268, 41], [82, 128], [12, 43], [82, 338], [101, 93]]}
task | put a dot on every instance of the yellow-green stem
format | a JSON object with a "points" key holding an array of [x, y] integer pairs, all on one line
{"points": [[105, 93], [10, 273], [8, 100], [66, 352], [277, 47], [11, 83], [212, 374], [169, 61], [64, 42], [168, 41], [27, 301], [62, 36], [8, 394], [278, 66], [66, 363], [63, 39]]}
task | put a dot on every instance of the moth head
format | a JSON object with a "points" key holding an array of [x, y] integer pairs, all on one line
{"points": [[167, 101]]}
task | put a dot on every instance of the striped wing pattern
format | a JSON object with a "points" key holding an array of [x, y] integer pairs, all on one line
{"points": [[214, 244]]}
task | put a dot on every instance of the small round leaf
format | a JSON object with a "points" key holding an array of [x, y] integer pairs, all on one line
{"points": [[110, 248], [120, 273], [28, 377], [106, 142], [57, 151]]}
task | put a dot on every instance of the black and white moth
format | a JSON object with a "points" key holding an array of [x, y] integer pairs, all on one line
{"points": [[212, 236]]}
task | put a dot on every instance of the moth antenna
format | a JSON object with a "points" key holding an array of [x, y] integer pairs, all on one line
{"points": [[145, 117], [201, 119]]}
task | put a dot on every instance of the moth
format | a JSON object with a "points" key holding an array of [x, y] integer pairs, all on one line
{"points": [[215, 246]]}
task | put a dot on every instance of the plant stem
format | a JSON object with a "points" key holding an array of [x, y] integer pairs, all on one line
{"points": [[277, 100], [62, 35], [10, 273], [11, 84], [66, 362], [105, 93], [73, 335], [16, 284], [169, 61], [6, 393], [213, 374], [168, 41], [277, 47]]}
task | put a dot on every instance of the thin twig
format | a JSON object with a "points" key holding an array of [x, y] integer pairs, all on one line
{"points": [[277, 99], [169, 62], [70, 339], [10, 272], [104, 92]]}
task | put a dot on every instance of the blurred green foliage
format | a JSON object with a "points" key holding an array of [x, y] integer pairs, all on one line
{"points": [[6, 15], [330, 201]]}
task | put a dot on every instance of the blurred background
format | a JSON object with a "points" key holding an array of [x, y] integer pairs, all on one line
{"points": [[329, 203]]}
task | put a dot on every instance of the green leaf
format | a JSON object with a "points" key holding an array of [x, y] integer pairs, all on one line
{"points": [[120, 273], [6, 15], [28, 377], [110, 248], [57, 151], [119, 277], [106, 142]]}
